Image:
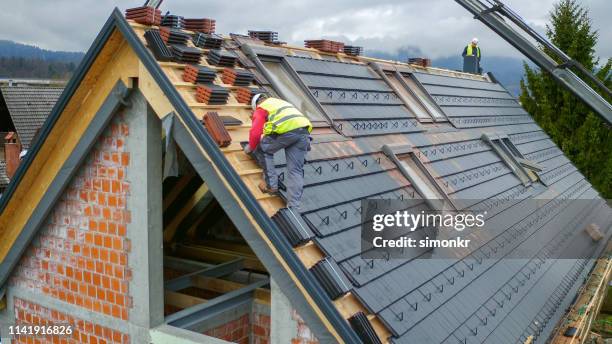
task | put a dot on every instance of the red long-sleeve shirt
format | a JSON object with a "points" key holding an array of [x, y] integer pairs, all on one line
{"points": [[260, 116]]}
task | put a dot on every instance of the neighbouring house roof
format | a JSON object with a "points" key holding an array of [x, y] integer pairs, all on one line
{"points": [[358, 106], [29, 106]]}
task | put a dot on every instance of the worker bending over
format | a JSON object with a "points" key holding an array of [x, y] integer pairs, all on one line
{"points": [[282, 126]]}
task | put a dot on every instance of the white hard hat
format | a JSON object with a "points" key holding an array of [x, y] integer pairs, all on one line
{"points": [[475, 40], [255, 99], [22, 154]]}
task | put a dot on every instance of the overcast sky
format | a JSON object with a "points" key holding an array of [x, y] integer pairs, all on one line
{"points": [[437, 28]]}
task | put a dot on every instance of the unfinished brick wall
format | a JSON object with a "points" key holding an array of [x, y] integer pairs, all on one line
{"points": [[80, 255], [235, 331], [260, 328], [83, 331], [252, 327]]}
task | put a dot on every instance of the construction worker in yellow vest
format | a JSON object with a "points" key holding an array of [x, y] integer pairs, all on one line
{"points": [[283, 126], [472, 49]]}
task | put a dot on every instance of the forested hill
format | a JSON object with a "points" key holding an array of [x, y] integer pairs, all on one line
{"points": [[13, 49], [26, 61]]}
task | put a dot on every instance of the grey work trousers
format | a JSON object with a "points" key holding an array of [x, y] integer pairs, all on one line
{"points": [[296, 144]]}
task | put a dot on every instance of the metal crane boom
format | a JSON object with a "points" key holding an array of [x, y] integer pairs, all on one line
{"points": [[492, 14]]}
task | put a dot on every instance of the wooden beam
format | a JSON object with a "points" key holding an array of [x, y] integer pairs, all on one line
{"points": [[215, 255], [263, 296], [181, 300], [177, 188], [221, 286], [200, 193], [309, 254]]}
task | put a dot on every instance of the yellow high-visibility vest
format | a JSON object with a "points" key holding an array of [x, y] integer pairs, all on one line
{"points": [[469, 51], [283, 117]]}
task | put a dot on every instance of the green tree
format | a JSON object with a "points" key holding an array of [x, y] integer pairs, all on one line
{"points": [[583, 136]]}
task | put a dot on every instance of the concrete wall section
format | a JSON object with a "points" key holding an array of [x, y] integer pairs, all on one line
{"points": [[287, 326]]}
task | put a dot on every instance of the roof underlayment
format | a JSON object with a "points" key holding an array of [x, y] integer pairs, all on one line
{"points": [[358, 105]]}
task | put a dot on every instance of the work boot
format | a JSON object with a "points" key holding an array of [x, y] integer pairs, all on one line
{"points": [[266, 189]]}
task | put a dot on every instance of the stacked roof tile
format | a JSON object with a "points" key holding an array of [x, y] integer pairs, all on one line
{"points": [[207, 41], [211, 94], [199, 74], [353, 50], [173, 21], [144, 15], [266, 36], [222, 57], [185, 54], [325, 45], [204, 25], [237, 77], [158, 46], [244, 95], [174, 36], [420, 61]]}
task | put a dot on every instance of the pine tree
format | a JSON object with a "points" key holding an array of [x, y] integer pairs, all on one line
{"points": [[584, 138]]}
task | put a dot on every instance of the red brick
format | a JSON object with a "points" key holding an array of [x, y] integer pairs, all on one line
{"points": [[80, 232]]}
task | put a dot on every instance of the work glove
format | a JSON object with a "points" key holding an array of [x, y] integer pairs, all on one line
{"points": [[247, 149]]}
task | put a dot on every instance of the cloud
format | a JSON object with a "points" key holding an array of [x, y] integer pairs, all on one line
{"points": [[434, 28]]}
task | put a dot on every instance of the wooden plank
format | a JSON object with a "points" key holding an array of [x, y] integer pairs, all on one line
{"points": [[251, 171], [225, 106], [261, 295], [185, 84], [176, 189], [181, 300], [185, 210], [214, 255], [309, 254]]}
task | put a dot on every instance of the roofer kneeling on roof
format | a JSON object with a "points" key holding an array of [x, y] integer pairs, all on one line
{"points": [[282, 126]]}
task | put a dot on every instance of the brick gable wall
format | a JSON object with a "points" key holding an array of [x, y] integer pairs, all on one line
{"points": [[80, 255]]}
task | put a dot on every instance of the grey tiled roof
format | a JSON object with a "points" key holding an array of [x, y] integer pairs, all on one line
{"points": [[438, 301], [29, 107]]}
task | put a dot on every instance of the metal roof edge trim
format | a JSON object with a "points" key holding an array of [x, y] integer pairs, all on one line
{"points": [[268, 226]]}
